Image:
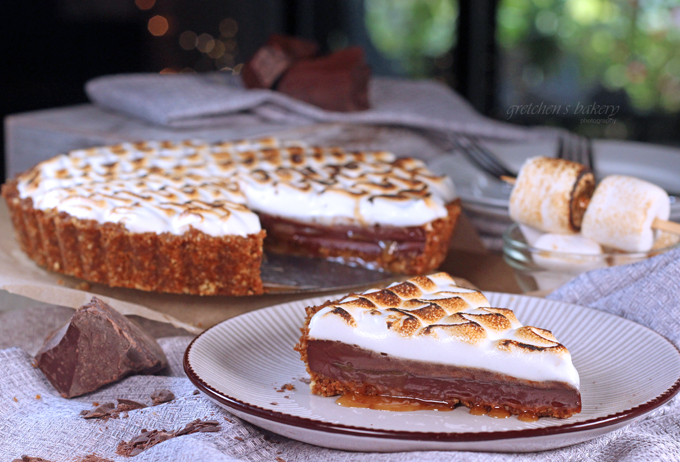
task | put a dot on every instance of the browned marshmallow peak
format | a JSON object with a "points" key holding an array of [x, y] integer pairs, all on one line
{"points": [[431, 319], [215, 188], [551, 195]]}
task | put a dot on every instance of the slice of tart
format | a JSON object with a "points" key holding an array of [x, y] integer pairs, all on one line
{"points": [[428, 339]]}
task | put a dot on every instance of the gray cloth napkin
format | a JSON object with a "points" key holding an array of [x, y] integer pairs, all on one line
{"points": [[49, 426], [186, 100]]}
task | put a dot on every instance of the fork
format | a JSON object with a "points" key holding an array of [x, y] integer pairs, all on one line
{"points": [[576, 148], [481, 157], [579, 149]]}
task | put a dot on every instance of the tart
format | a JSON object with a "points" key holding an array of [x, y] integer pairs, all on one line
{"points": [[192, 217], [429, 340]]}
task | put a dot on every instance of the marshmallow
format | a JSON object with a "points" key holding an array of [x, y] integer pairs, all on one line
{"points": [[572, 254], [551, 195], [530, 234], [621, 213]]}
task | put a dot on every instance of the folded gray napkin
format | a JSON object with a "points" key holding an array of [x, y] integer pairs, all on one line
{"points": [[35, 421], [194, 100]]}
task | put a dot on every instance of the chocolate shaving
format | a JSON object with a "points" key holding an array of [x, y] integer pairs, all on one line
{"points": [[150, 438], [93, 458], [110, 411], [26, 458], [99, 412], [162, 396], [128, 405]]}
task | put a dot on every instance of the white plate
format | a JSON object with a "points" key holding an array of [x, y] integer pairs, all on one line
{"points": [[657, 164], [626, 370]]}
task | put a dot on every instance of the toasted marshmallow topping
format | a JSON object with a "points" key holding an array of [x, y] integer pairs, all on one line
{"points": [[621, 213], [215, 188], [432, 319], [547, 193]]}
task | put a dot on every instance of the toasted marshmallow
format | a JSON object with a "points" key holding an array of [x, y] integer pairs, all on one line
{"points": [[430, 318], [216, 188], [621, 213], [551, 195]]}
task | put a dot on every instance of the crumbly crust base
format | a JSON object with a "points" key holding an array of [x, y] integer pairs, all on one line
{"points": [[327, 386], [438, 237], [193, 263]]}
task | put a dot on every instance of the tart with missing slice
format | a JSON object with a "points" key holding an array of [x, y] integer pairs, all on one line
{"points": [[194, 217]]}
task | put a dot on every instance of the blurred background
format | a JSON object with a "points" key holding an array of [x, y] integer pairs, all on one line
{"points": [[497, 54]]}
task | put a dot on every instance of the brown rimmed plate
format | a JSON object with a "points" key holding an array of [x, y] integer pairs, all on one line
{"points": [[626, 370]]}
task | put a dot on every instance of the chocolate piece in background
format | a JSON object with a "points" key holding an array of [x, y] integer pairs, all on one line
{"points": [[150, 438], [162, 396], [338, 82], [274, 58], [99, 346], [108, 411], [25, 458], [93, 458]]}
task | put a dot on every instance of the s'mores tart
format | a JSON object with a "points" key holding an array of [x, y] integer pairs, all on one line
{"points": [[192, 217], [428, 339]]}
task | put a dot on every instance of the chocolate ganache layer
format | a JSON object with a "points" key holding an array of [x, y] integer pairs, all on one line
{"points": [[374, 373]]}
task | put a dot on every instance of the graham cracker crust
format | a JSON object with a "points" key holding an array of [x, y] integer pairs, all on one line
{"points": [[193, 263]]}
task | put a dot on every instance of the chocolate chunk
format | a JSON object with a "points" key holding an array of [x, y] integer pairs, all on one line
{"points": [[162, 396], [338, 82], [99, 346], [196, 392], [270, 62]]}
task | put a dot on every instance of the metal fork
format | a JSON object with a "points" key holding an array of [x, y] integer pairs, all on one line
{"points": [[481, 157], [576, 148]]}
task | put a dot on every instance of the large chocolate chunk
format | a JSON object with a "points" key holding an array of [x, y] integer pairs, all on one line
{"points": [[338, 82], [97, 347], [274, 58]]}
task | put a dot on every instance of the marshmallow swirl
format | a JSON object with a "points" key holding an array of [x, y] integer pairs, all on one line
{"points": [[217, 188], [432, 319]]}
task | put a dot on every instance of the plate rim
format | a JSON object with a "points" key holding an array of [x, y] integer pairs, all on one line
{"points": [[448, 437]]}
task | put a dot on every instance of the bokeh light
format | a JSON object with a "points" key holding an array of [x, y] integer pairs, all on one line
{"points": [[228, 27], [188, 40], [145, 4], [205, 43], [158, 25]]}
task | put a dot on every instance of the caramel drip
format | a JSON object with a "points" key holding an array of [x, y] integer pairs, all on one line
{"points": [[390, 403], [527, 417]]}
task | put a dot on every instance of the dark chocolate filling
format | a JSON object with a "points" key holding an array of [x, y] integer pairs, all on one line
{"points": [[366, 371], [376, 239]]}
